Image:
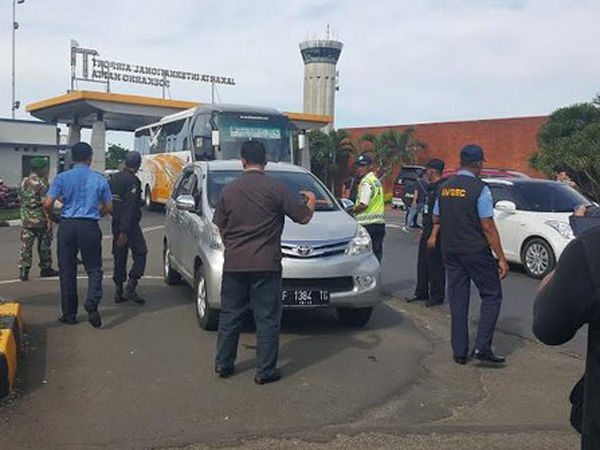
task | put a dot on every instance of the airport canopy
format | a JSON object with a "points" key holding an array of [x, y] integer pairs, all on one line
{"points": [[123, 112]]}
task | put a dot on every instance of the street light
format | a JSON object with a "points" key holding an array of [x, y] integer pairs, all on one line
{"points": [[15, 104]]}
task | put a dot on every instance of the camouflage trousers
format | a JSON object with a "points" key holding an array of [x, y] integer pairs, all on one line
{"points": [[44, 246]]}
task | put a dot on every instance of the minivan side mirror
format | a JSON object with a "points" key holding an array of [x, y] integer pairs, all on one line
{"points": [[506, 206], [185, 202], [347, 205]]}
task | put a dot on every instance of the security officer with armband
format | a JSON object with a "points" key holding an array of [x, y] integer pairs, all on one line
{"points": [[127, 233], [431, 274], [369, 207], [464, 214], [36, 224]]}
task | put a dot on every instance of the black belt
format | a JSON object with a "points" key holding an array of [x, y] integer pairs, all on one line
{"points": [[78, 219]]}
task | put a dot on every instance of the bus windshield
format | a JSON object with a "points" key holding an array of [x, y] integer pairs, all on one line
{"points": [[273, 131]]}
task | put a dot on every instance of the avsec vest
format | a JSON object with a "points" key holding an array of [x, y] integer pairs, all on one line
{"points": [[460, 226], [374, 214]]}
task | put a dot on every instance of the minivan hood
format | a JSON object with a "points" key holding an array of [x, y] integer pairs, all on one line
{"points": [[324, 226]]}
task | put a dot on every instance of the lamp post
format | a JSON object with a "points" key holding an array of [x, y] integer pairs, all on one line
{"points": [[15, 104]]}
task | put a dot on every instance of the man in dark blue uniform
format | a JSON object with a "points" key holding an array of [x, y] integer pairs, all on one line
{"points": [[127, 233], [464, 214], [431, 274], [82, 192]]}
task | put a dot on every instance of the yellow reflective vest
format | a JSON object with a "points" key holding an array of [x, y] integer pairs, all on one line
{"points": [[374, 214]]}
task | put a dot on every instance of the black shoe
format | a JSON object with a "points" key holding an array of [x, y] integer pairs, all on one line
{"points": [[416, 298], [134, 297], [24, 275], [93, 315], [119, 298], [462, 360], [488, 357], [224, 372], [67, 320], [433, 303], [274, 377], [50, 272]]}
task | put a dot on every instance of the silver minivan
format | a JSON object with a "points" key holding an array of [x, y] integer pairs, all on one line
{"points": [[327, 263]]}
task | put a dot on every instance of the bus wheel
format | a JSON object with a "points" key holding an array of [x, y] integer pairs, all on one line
{"points": [[150, 205]]}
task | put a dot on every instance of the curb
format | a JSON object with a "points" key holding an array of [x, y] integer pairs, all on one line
{"points": [[10, 223], [11, 331]]}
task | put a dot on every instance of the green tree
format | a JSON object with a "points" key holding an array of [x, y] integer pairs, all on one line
{"points": [[390, 149], [115, 155], [570, 141], [329, 154]]}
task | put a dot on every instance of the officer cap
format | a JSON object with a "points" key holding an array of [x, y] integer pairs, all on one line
{"points": [[472, 153], [133, 159], [364, 160], [436, 164], [38, 163]]}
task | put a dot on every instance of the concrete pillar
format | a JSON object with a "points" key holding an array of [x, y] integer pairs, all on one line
{"points": [[74, 135], [98, 143], [304, 149]]}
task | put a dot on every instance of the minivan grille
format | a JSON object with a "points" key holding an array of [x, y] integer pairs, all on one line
{"points": [[309, 250]]}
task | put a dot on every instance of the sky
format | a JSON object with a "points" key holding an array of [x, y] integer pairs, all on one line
{"points": [[403, 62]]}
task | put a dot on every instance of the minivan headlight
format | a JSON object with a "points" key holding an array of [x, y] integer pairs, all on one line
{"points": [[216, 243], [361, 243], [563, 228]]}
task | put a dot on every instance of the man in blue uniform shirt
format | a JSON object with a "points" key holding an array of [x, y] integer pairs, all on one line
{"points": [[84, 194], [464, 214]]}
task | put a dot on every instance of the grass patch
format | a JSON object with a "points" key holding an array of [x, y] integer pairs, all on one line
{"points": [[10, 214]]}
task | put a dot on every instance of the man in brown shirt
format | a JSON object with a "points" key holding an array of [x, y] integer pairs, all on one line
{"points": [[250, 215]]}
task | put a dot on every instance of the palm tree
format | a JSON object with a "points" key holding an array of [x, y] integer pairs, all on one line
{"points": [[390, 148], [329, 153]]}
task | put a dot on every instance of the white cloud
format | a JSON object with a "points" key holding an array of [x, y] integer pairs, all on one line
{"points": [[403, 62]]}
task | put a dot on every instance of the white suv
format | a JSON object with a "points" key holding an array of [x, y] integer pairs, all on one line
{"points": [[532, 217]]}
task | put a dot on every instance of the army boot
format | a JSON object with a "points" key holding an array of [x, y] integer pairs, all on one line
{"points": [[131, 294], [119, 298], [48, 272], [24, 274]]}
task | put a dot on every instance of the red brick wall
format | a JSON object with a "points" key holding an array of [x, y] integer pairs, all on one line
{"points": [[507, 142]]}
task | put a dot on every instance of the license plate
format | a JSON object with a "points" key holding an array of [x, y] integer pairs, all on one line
{"points": [[305, 298]]}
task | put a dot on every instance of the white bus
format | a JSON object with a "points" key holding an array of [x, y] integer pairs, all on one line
{"points": [[206, 133]]}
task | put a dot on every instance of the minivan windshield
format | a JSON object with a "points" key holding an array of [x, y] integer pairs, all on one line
{"points": [[550, 197], [294, 181]]}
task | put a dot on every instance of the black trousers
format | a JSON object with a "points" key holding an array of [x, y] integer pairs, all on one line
{"points": [[84, 236], [139, 251], [261, 291], [377, 233], [482, 269], [431, 272]]}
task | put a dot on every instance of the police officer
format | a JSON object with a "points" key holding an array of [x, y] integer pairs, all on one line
{"points": [[369, 207], [464, 215], [431, 274], [127, 234], [81, 191], [35, 223]]}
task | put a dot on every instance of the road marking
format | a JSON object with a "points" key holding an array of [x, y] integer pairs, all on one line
{"points": [[79, 277], [144, 230], [393, 225]]}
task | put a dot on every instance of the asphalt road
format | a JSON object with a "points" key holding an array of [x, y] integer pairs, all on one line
{"points": [[146, 378], [519, 290]]}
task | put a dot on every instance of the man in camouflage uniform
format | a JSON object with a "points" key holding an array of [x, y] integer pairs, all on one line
{"points": [[36, 225]]}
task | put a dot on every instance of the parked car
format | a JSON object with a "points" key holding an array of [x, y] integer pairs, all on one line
{"points": [[491, 173], [408, 174], [532, 217], [326, 263]]}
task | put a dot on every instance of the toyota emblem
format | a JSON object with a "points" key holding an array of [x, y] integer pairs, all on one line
{"points": [[304, 250]]}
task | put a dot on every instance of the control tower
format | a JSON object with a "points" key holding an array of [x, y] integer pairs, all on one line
{"points": [[320, 75]]}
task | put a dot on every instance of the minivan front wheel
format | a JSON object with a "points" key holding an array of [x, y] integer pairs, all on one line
{"points": [[208, 318], [354, 317], [170, 275], [538, 258]]}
